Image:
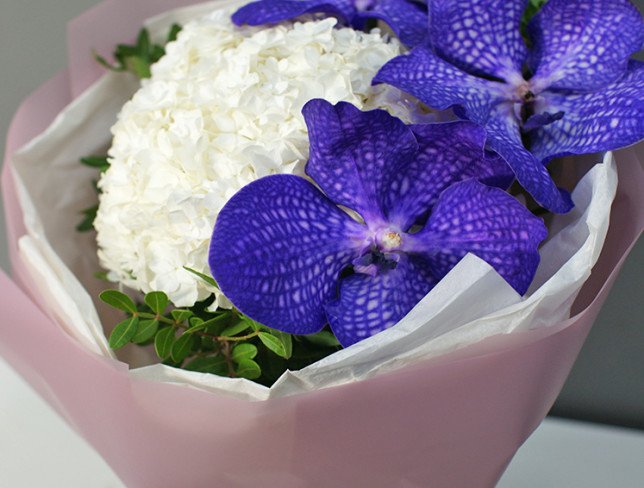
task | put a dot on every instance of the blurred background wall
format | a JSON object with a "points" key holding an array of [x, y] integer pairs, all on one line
{"points": [[607, 383]]}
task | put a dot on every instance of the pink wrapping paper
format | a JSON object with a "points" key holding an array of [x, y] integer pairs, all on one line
{"points": [[450, 422]]}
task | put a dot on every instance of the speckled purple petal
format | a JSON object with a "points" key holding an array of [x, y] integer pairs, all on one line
{"points": [[272, 11], [277, 249], [440, 84], [448, 153], [606, 119], [370, 304], [505, 138], [583, 44], [406, 18], [480, 36], [352, 154], [488, 222]]}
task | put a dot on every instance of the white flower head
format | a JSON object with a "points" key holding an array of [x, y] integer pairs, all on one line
{"points": [[222, 108]]}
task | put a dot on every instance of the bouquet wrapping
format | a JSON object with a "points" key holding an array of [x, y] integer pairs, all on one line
{"points": [[396, 410]]}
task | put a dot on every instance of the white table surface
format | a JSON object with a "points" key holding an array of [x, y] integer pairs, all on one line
{"points": [[39, 450]]}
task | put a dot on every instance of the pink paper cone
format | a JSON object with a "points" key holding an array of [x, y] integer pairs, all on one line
{"points": [[449, 422]]}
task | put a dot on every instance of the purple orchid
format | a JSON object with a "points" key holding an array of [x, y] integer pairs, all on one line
{"points": [[581, 94], [289, 257], [407, 18]]}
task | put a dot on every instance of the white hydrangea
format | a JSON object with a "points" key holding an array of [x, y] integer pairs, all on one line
{"points": [[222, 108]]}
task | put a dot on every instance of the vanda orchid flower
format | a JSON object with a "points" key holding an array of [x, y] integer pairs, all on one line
{"points": [[407, 18], [287, 256], [573, 92]]}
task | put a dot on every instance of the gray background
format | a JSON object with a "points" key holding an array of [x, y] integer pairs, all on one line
{"points": [[607, 383]]}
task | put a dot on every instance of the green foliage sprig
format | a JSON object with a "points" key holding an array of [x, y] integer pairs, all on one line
{"points": [[139, 57], [221, 342]]}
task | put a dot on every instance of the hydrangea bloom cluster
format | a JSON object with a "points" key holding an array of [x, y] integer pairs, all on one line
{"points": [[407, 18], [573, 92], [290, 258], [222, 108]]}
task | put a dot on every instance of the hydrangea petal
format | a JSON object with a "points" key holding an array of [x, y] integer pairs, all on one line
{"points": [[406, 18], [448, 153], [273, 11], [488, 222], [479, 36], [606, 119], [440, 84], [277, 249], [352, 154], [583, 44], [505, 138], [369, 304]]}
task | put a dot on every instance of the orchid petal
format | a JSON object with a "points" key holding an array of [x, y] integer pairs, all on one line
{"points": [[407, 19], [448, 153], [273, 11], [277, 250], [353, 153], [479, 36], [583, 44], [606, 119], [369, 304], [488, 222], [439, 84], [505, 138]]}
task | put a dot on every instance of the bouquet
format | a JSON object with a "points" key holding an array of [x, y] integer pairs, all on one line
{"points": [[342, 243]]}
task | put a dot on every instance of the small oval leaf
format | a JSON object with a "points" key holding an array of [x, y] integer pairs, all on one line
{"points": [[123, 332], [244, 351], [163, 342], [157, 301], [249, 369], [210, 364], [182, 347], [180, 315], [118, 300], [233, 330], [273, 343], [145, 331]]}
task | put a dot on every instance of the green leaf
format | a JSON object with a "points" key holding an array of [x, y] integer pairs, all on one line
{"points": [[98, 162], [143, 42], [208, 279], [174, 32], [233, 330], [182, 347], [123, 332], [249, 369], [208, 364], [180, 315], [146, 331], [287, 341], [256, 326], [101, 275], [196, 324], [106, 64], [157, 301], [87, 223], [323, 338], [273, 343], [118, 300], [244, 351], [139, 66], [163, 342]]}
